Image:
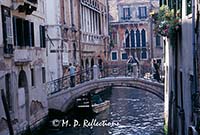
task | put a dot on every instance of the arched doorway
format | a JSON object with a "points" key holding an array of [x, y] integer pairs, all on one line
{"points": [[100, 63], [23, 97], [87, 63], [82, 64]]}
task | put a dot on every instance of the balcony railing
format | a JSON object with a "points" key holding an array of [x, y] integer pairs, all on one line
{"points": [[26, 6], [92, 38]]}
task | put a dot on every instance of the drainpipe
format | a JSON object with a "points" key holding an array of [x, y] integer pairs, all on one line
{"points": [[194, 57], [80, 32], [175, 117], [194, 46]]}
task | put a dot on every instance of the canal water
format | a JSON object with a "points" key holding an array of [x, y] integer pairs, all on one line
{"points": [[131, 112]]}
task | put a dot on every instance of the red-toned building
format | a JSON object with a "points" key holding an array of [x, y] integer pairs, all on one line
{"points": [[131, 33]]}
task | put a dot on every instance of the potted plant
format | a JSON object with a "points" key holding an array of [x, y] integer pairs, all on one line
{"points": [[166, 22]]}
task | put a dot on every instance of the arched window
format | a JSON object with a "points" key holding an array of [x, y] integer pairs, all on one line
{"points": [[144, 54], [132, 38], [143, 33], [127, 39], [138, 38]]}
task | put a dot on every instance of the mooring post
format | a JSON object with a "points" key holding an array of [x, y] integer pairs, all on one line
{"points": [[95, 72], [5, 105]]}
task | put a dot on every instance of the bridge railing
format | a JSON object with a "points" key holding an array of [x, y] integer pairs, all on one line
{"points": [[64, 82], [117, 70], [87, 74]]}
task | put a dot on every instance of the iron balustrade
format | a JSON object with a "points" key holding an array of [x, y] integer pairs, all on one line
{"points": [[65, 82], [85, 75]]}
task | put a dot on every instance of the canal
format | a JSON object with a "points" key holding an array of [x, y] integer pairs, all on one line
{"points": [[131, 112]]}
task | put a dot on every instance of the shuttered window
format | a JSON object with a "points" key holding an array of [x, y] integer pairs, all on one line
{"points": [[23, 32], [142, 12], [132, 38], [126, 14], [127, 39], [7, 30], [138, 38], [143, 33], [42, 37]]}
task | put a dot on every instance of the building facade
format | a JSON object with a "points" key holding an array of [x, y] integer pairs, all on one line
{"points": [[131, 32], [23, 63], [77, 34], [181, 71]]}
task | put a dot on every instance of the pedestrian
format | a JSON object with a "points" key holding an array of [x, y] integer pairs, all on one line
{"points": [[72, 70], [156, 74]]}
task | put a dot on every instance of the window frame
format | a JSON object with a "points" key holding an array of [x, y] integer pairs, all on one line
{"points": [[126, 13], [142, 12], [122, 56], [146, 55], [112, 56], [43, 75], [32, 77]]}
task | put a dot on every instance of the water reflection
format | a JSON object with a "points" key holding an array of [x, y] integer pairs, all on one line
{"points": [[137, 113]]}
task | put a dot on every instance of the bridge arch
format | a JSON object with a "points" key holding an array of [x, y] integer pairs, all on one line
{"points": [[64, 100]]}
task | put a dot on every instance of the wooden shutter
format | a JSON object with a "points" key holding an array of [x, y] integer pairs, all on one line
{"points": [[145, 12], [15, 30], [139, 9], [20, 32], [26, 33], [7, 30], [32, 40]]}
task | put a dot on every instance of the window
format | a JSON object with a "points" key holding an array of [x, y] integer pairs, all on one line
{"points": [[127, 42], [162, 2], [132, 38], [42, 37], [143, 33], [138, 38], [23, 32], [43, 75], [142, 12], [144, 54], [124, 56], [114, 56], [158, 41], [32, 77], [189, 6], [7, 30], [126, 14]]}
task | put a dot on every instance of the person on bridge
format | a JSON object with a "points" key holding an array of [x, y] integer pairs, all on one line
{"points": [[72, 70], [156, 71]]}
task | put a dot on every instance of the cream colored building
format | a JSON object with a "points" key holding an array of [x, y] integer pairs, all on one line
{"points": [[23, 63], [77, 34], [181, 95]]}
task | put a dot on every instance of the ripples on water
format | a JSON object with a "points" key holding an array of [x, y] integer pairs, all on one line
{"points": [[137, 112]]}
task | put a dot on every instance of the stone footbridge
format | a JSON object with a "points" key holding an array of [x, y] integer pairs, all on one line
{"points": [[64, 99]]}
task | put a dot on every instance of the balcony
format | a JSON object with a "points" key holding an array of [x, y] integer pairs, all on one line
{"points": [[22, 56], [25, 6], [92, 38]]}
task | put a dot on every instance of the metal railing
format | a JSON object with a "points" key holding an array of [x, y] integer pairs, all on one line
{"points": [[65, 82], [85, 75]]}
